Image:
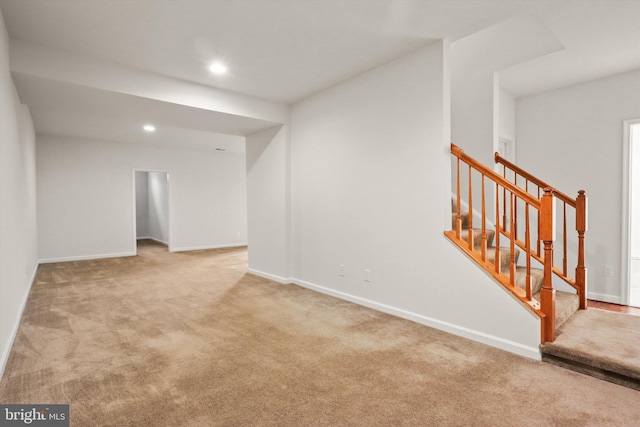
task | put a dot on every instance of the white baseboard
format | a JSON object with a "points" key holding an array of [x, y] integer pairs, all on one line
{"points": [[84, 257], [272, 277], [200, 248], [613, 299], [473, 335], [154, 239], [4, 358]]}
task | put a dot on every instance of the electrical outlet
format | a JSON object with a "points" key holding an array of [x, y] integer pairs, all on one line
{"points": [[367, 275], [607, 271], [341, 270]]}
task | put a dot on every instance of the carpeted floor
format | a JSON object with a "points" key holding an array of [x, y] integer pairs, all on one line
{"points": [[190, 339]]}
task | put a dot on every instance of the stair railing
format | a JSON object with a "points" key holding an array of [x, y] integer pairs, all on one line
{"points": [[577, 207], [508, 197]]}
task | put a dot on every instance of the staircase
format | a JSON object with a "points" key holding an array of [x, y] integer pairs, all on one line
{"points": [[513, 234], [566, 303], [514, 204]]}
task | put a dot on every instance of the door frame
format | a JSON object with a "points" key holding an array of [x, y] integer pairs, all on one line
{"points": [[510, 148], [169, 216], [625, 267]]}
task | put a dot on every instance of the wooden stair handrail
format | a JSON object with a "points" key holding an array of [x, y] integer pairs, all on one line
{"points": [[537, 181], [459, 153]]}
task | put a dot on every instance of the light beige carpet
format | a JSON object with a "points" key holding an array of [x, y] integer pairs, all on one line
{"points": [[190, 339]]}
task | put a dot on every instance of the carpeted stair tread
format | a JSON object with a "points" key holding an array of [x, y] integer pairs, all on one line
{"points": [[599, 343], [477, 237], [537, 278], [567, 304], [505, 258]]}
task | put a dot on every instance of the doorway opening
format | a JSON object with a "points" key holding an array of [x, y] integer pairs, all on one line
{"points": [[152, 225], [506, 149], [631, 197]]}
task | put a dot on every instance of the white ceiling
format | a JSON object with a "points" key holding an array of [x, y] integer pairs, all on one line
{"points": [[281, 50], [601, 38], [285, 50], [86, 112]]}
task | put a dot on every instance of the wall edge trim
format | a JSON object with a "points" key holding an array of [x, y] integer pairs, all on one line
{"points": [[467, 333], [272, 277], [84, 257], [199, 248], [4, 358], [613, 299]]}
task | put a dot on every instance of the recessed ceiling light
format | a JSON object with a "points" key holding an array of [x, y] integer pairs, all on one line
{"points": [[149, 128], [218, 68]]}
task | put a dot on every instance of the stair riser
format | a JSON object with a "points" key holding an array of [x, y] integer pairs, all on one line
{"points": [[477, 237], [593, 371], [464, 219], [505, 259]]}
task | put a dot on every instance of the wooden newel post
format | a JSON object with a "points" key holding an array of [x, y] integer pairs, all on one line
{"points": [[547, 293], [581, 228]]}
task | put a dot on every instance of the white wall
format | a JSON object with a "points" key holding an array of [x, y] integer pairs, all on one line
{"points": [[634, 232], [474, 119], [268, 194], [507, 116], [142, 204], [79, 178], [371, 180], [480, 112], [634, 175], [476, 62], [158, 204], [18, 246], [573, 138], [472, 114]]}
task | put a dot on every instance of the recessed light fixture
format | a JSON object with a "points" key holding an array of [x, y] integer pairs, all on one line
{"points": [[149, 128], [218, 68]]}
